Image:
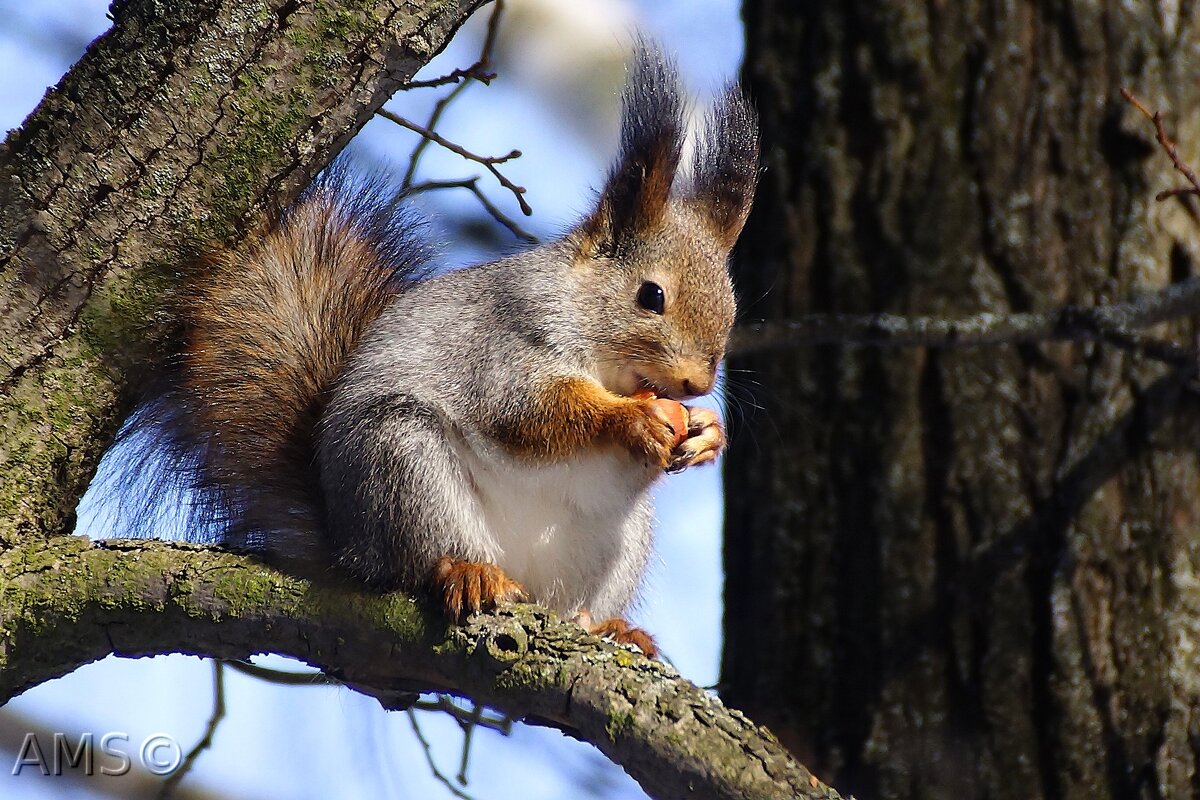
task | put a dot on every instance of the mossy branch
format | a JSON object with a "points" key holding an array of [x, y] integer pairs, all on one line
{"points": [[69, 601]]}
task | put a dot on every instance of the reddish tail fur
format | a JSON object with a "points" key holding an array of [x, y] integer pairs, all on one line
{"points": [[267, 327]]}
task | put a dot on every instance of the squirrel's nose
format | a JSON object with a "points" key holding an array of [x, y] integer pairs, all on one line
{"points": [[700, 383]]}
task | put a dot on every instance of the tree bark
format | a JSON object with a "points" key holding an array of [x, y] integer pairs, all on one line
{"points": [[967, 573]]}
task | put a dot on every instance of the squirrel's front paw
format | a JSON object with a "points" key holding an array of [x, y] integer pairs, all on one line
{"points": [[465, 587], [705, 439], [646, 427]]}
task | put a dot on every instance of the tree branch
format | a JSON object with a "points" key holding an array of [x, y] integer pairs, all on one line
{"points": [[70, 601], [1112, 323], [1160, 134], [479, 71], [487, 162], [171, 784], [472, 185]]}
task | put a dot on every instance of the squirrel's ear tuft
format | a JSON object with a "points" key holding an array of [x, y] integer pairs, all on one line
{"points": [[725, 169], [652, 131]]}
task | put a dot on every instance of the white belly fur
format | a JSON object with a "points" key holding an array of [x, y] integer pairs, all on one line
{"points": [[574, 533]]}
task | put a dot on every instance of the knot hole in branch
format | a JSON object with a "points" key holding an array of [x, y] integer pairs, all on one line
{"points": [[504, 642]]}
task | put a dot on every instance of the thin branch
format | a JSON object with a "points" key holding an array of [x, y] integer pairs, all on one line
{"points": [[281, 677], [468, 720], [1160, 133], [218, 713], [468, 728], [428, 133], [414, 159], [434, 136], [472, 185], [481, 69], [488, 162], [433, 767], [473, 72], [1113, 324], [485, 61], [445, 704]]}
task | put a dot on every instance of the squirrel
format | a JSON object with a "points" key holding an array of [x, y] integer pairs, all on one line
{"points": [[489, 434]]}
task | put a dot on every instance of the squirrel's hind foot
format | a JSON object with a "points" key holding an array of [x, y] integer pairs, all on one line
{"points": [[619, 631], [466, 587]]}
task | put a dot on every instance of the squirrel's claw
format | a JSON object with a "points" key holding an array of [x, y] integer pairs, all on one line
{"points": [[645, 429], [706, 439], [619, 631], [467, 587]]}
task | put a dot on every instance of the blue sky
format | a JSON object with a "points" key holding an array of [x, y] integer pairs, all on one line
{"points": [[558, 107]]}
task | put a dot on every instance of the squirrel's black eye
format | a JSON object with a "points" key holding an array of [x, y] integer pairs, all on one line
{"points": [[651, 297]]}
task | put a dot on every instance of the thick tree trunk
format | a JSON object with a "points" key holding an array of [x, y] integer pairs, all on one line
{"points": [[176, 131], [967, 573]]}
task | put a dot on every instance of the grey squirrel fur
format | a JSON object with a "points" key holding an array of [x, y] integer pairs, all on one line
{"points": [[333, 405]]}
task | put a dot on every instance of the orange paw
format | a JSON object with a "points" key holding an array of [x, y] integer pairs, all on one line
{"points": [[465, 587], [704, 442], [619, 631], [646, 427], [675, 413]]}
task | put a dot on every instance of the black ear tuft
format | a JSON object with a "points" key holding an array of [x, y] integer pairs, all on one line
{"points": [[652, 131], [725, 170]]}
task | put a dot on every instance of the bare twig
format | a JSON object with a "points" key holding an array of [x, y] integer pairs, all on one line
{"points": [[474, 72], [218, 713], [1160, 133], [501, 723], [423, 143], [479, 71], [472, 185], [1112, 323], [433, 767], [468, 728], [283, 677], [488, 162], [468, 720]]}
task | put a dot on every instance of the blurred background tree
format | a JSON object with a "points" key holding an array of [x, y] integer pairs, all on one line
{"points": [[968, 573]]}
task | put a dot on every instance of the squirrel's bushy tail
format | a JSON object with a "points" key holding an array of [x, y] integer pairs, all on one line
{"points": [[267, 328]]}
